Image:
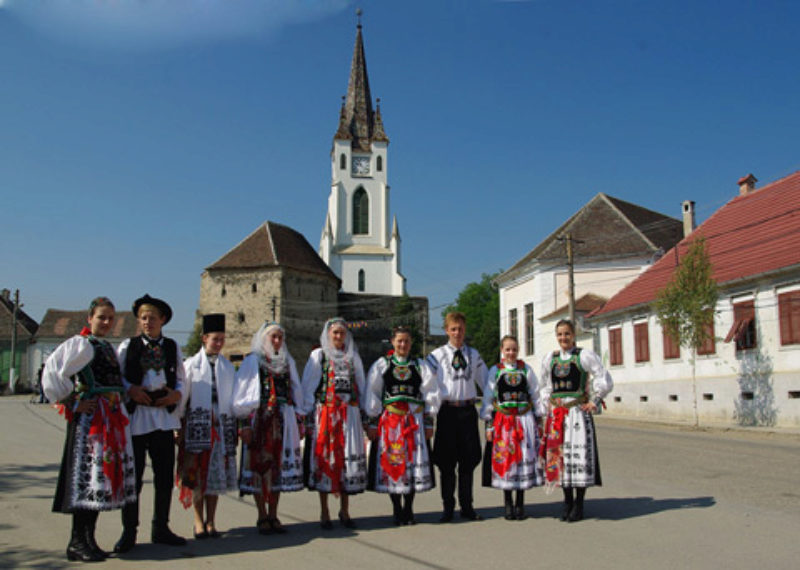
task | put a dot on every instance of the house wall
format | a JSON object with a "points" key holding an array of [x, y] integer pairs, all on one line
{"points": [[759, 386]]}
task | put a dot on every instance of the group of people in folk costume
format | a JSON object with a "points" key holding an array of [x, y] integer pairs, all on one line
{"points": [[125, 404]]}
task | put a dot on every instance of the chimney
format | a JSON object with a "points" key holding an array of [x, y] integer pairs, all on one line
{"points": [[747, 184], [5, 294], [688, 217]]}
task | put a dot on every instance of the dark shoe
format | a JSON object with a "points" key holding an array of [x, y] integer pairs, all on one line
{"points": [[470, 514], [164, 535], [510, 515], [326, 524], [263, 526], [519, 513], [211, 531], [447, 516], [92, 543], [125, 542], [276, 526], [565, 511], [347, 522], [576, 514], [408, 516], [82, 552], [202, 535]]}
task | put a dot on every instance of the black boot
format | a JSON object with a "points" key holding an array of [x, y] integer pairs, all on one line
{"points": [[408, 509], [576, 513], [519, 509], [397, 509], [447, 514], [161, 534], [91, 524], [509, 506], [568, 502], [78, 548], [130, 521]]}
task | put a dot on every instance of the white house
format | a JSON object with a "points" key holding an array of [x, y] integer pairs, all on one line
{"points": [[613, 241], [749, 373]]}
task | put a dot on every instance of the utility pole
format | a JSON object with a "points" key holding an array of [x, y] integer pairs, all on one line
{"points": [[274, 301], [12, 373], [569, 242]]}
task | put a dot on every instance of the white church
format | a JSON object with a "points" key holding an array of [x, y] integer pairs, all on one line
{"points": [[358, 242]]}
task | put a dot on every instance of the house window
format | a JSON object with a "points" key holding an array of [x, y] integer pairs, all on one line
{"points": [[529, 329], [641, 342], [789, 317], [615, 346], [743, 331], [224, 291], [362, 281], [672, 348], [240, 317], [709, 345], [379, 163], [512, 323], [360, 212], [254, 288], [342, 162]]}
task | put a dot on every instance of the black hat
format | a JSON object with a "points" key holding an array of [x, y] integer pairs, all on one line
{"points": [[162, 306], [214, 322]]}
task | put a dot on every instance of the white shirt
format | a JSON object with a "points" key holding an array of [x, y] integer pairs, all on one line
{"points": [[373, 404], [146, 419], [601, 383], [491, 385], [458, 385], [312, 374]]}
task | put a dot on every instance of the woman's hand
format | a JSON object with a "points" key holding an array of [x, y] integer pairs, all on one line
{"points": [[172, 397], [138, 395], [86, 406], [589, 407], [490, 435], [247, 435], [372, 433]]}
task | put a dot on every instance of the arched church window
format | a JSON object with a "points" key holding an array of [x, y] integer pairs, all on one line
{"points": [[342, 162], [379, 163], [360, 212], [362, 281]]}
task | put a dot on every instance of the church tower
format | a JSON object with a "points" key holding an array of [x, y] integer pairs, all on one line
{"points": [[358, 243]]}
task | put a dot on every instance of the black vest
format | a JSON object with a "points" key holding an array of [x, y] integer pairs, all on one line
{"points": [[343, 384], [135, 373], [280, 381], [402, 380], [104, 365], [512, 386], [567, 376]]}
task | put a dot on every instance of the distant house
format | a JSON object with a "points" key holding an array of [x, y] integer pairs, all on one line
{"points": [[749, 373], [26, 329], [59, 325], [613, 242]]}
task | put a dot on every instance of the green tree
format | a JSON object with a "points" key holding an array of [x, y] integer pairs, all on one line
{"points": [[685, 307], [480, 302], [195, 340]]}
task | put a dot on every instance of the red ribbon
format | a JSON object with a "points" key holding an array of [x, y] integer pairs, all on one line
{"points": [[108, 426], [506, 449], [397, 432], [554, 438], [329, 448]]}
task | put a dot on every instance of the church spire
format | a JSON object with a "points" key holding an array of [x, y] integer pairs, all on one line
{"points": [[357, 121]]}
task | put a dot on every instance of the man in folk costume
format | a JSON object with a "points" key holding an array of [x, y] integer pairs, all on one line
{"points": [[402, 398], [459, 369], [207, 453], [153, 375]]}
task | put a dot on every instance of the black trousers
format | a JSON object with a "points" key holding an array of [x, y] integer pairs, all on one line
{"points": [[160, 446], [457, 449]]}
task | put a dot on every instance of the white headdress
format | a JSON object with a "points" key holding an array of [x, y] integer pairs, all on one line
{"points": [[277, 362], [332, 353]]}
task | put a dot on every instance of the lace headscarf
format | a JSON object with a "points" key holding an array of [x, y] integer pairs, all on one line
{"points": [[277, 362], [333, 354]]}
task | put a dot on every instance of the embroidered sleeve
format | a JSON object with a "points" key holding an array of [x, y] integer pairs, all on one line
{"points": [[68, 359]]}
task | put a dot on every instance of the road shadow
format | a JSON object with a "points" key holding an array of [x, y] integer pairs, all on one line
{"points": [[617, 509], [14, 556], [15, 477]]}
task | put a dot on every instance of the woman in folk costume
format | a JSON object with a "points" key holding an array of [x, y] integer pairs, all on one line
{"points": [[97, 470], [402, 398], [570, 446], [335, 454], [268, 393], [207, 452], [511, 407]]}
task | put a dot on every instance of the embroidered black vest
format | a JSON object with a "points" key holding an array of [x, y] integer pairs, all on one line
{"points": [[280, 381], [134, 371], [402, 382], [345, 382], [105, 366], [567, 376], [512, 385]]}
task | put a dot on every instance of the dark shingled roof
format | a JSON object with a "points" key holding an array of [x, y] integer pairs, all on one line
{"points": [[754, 234], [586, 304], [26, 326], [605, 228], [273, 245], [64, 324]]}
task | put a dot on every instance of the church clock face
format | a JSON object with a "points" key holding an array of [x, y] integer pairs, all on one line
{"points": [[360, 165]]}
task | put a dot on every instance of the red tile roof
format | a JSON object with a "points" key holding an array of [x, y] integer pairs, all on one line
{"points": [[750, 235]]}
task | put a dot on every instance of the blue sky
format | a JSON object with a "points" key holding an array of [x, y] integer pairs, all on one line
{"points": [[139, 141]]}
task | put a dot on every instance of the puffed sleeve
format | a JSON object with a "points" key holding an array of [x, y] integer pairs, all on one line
{"points": [[361, 381], [539, 409], [545, 382], [122, 353], [297, 389], [311, 377], [430, 388], [601, 379], [68, 359], [247, 388], [186, 392], [488, 394], [373, 397]]}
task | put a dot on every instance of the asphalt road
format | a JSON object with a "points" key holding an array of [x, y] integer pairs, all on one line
{"points": [[672, 498]]}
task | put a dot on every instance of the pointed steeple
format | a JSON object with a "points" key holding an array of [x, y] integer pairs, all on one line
{"points": [[357, 120]]}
